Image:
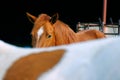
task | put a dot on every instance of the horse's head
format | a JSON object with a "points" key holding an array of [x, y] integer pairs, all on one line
{"points": [[43, 30]]}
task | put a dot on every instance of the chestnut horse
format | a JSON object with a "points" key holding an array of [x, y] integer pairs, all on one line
{"points": [[49, 31]]}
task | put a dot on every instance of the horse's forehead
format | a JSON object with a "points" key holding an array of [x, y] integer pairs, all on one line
{"points": [[41, 20], [43, 17], [40, 31], [40, 24], [37, 27]]}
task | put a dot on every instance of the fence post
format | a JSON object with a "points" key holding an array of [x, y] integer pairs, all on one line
{"points": [[101, 25], [78, 26], [119, 27]]}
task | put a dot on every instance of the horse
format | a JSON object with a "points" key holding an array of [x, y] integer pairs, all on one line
{"points": [[50, 31], [19, 63], [95, 60]]}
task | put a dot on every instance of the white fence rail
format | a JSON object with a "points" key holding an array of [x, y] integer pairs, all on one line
{"points": [[110, 30]]}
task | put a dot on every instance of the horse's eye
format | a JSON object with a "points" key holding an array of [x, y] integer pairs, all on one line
{"points": [[49, 36]]}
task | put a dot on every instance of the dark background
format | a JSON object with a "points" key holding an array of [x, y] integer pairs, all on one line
{"points": [[15, 27]]}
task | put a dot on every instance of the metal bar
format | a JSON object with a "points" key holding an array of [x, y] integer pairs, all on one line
{"points": [[104, 13]]}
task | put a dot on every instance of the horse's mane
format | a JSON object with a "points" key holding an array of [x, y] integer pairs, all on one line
{"points": [[63, 32]]}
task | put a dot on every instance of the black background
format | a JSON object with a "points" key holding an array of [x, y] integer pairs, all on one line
{"points": [[15, 27]]}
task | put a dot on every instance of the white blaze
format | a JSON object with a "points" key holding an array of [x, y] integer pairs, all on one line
{"points": [[40, 32]]}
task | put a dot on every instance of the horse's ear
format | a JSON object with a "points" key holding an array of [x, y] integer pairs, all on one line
{"points": [[54, 18], [31, 17]]}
